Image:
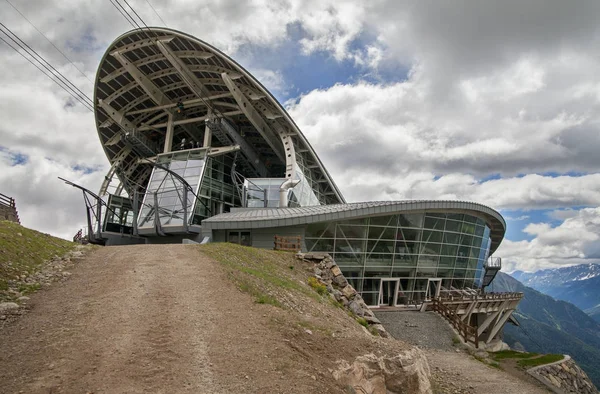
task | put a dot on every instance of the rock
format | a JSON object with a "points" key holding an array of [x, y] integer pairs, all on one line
{"points": [[355, 308], [336, 271], [2, 317], [371, 319], [349, 292], [340, 281], [23, 298], [407, 372], [8, 306]]}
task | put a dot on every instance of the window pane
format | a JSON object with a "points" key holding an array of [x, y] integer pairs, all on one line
{"points": [[384, 221], [344, 231], [452, 225], [380, 246], [432, 236], [449, 250], [429, 248], [434, 223], [411, 220], [319, 245], [382, 232], [408, 234]]}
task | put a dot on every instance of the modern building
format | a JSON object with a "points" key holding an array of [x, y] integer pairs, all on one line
{"points": [[200, 150]]}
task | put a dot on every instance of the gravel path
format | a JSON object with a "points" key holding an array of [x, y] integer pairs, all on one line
{"points": [[426, 330]]}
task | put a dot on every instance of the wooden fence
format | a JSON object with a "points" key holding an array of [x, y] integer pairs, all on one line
{"points": [[288, 243], [466, 331]]}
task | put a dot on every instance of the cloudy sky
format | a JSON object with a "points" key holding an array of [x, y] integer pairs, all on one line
{"points": [[494, 102]]}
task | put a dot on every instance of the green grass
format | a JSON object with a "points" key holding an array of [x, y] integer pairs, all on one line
{"points": [[258, 272], [363, 322], [22, 251], [317, 286], [545, 359], [504, 354]]}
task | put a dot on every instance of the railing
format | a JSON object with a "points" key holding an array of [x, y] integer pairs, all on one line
{"points": [[481, 297], [7, 201], [288, 243], [467, 332], [9, 208]]}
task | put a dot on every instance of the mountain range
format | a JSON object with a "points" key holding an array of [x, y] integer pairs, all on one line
{"points": [[552, 326], [579, 285]]}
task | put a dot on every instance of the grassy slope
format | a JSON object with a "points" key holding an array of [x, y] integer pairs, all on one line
{"points": [[22, 251]]}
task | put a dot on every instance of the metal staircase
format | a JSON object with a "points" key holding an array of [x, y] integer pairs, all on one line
{"points": [[492, 266], [140, 144]]}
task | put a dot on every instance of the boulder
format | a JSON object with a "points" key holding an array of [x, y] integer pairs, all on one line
{"points": [[355, 308], [340, 281], [407, 372]]}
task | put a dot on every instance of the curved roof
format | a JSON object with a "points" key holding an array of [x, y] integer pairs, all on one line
{"points": [[143, 76], [279, 217]]}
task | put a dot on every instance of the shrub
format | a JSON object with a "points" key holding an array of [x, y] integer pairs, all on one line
{"points": [[317, 286]]}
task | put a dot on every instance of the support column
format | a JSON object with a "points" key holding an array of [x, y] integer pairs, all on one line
{"points": [[207, 135], [169, 135]]}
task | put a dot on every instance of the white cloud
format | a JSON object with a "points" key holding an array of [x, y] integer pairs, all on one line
{"points": [[575, 241]]}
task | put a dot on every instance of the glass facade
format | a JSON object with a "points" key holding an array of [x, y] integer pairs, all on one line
{"points": [[169, 191], [413, 249]]}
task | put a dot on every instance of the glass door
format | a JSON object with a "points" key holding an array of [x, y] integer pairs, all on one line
{"points": [[434, 285], [388, 292]]}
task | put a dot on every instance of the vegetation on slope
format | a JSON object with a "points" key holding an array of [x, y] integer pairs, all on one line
{"points": [[23, 252]]}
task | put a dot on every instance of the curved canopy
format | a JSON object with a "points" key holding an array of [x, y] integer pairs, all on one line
{"points": [[151, 77]]}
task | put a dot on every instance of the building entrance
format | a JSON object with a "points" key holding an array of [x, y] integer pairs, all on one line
{"points": [[388, 291], [434, 285]]}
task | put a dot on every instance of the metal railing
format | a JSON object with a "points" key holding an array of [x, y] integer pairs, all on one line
{"points": [[466, 331], [7, 201]]}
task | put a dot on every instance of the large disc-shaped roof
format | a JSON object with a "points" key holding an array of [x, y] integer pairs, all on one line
{"points": [[143, 76]]}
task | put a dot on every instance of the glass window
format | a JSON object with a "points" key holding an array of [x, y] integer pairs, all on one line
{"points": [[349, 259], [468, 228], [380, 246], [384, 221], [479, 231], [405, 260], [414, 220], [456, 216], [378, 259], [447, 262], [382, 232], [371, 284], [318, 230], [350, 245], [430, 248], [319, 245], [470, 219], [432, 236], [344, 231], [407, 234], [434, 223], [449, 250], [428, 261], [407, 247], [451, 238], [452, 225], [466, 240]]}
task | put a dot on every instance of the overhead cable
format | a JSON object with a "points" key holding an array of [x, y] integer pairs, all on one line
{"points": [[51, 43], [55, 75]]}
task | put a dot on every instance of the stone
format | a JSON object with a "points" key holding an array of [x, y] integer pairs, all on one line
{"points": [[554, 380], [355, 308], [349, 292], [318, 272], [371, 319], [340, 281], [338, 295], [407, 372], [336, 271], [8, 306], [23, 298]]}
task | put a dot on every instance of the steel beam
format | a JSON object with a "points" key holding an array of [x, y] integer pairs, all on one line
{"points": [[145, 83], [254, 117]]}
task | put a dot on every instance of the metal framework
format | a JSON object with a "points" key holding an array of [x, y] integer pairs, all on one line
{"points": [[158, 85]]}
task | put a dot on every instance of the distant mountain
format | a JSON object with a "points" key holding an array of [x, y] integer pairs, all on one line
{"points": [[579, 285], [551, 326]]}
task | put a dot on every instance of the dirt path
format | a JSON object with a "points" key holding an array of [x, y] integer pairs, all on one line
{"points": [[125, 322]]}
